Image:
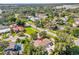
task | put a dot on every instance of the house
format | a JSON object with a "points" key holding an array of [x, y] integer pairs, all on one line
{"points": [[45, 43], [41, 42], [64, 18], [16, 28], [41, 15], [37, 18], [76, 23], [77, 42], [5, 30], [13, 49], [33, 18], [30, 18]]}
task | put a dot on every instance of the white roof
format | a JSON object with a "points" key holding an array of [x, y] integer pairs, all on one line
{"points": [[4, 30]]}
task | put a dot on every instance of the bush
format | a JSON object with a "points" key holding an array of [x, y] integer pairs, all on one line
{"points": [[20, 22], [75, 32], [5, 36], [23, 41]]}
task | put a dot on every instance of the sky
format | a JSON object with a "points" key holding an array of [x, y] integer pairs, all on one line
{"points": [[38, 1]]}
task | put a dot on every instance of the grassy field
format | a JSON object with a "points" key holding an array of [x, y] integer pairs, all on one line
{"points": [[30, 30]]}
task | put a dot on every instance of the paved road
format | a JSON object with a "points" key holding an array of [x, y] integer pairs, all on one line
{"points": [[40, 29]]}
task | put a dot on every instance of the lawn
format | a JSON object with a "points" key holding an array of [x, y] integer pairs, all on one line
{"points": [[30, 30], [30, 22]]}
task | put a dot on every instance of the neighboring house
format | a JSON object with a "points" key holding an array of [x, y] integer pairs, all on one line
{"points": [[41, 15], [61, 27], [64, 18], [13, 49], [76, 23], [77, 42], [16, 28], [45, 43], [37, 18], [5, 30], [30, 18], [3, 27], [33, 18]]}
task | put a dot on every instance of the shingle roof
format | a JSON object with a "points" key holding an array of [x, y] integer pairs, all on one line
{"points": [[43, 42]]}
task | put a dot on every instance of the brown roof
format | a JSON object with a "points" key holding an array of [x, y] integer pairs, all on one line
{"points": [[43, 42]]}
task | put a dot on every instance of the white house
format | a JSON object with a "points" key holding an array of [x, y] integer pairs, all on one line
{"points": [[4, 30]]}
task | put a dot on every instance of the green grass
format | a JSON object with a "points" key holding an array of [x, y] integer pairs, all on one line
{"points": [[30, 30], [14, 34], [30, 22]]}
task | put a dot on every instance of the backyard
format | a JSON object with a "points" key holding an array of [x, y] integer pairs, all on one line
{"points": [[30, 30]]}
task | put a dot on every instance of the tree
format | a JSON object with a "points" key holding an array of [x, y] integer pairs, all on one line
{"points": [[74, 50], [34, 36], [43, 34], [1, 50], [3, 45], [11, 19], [20, 22], [30, 49], [39, 23], [59, 21], [27, 46], [54, 27], [18, 40], [38, 51], [23, 41], [75, 32], [63, 43], [70, 20], [71, 51]]}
